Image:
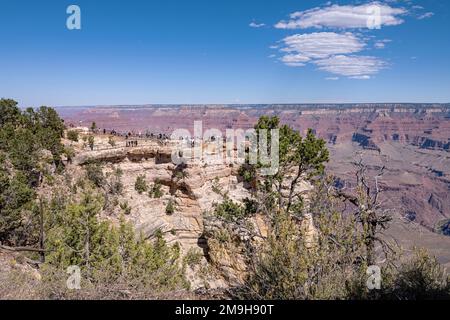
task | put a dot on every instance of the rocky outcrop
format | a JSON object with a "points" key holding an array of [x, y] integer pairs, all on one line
{"points": [[365, 141], [190, 187], [152, 150], [428, 143], [435, 202]]}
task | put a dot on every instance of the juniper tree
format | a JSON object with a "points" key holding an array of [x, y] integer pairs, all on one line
{"points": [[300, 159]]}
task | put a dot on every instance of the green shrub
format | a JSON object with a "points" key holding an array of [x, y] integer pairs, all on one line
{"points": [[72, 135], [251, 206], [156, 191], [94, 173], [170, 207], [91, 141], [248, 173], [24, 134], [115, 182], [229, 210], [70, 154], [126, 208], [110, 257], [193, 257], [421, 278], [15, 196], [286, 267], [141, 185]]}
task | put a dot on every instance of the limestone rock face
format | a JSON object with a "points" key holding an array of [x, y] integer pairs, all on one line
{"points": [[190, 188]]}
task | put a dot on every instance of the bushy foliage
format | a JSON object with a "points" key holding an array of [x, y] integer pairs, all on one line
{"points": [[91, 142], [193, 257], [72, 135], [170, 207], [141, 184], [115, 185], [107, 253], [70, 154], [229, 210], [248, 173], [24, 136], [155, 191], [125, 208], [287, 267], [420, 278], [94, 173], [15, 197]]}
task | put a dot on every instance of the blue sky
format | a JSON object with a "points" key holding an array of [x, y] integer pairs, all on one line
{"points": [[228, 51]]}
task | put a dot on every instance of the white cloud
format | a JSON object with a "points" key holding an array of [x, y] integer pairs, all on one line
{"points": [[295, 60], [332, 78], [347, 16], [330, 52], [256, 25], [356, 67], [360, 77], [321, 45], [336, 51], [425, 15]]}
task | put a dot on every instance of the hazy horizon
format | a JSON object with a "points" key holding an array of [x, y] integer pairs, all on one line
{"points": [[322, 104]]}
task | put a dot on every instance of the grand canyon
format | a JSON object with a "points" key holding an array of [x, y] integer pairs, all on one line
{"points": [[225, 151], [411, 141]]}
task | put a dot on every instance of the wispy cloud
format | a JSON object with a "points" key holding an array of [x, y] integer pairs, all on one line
{"points": [[344, 17], [322, 44], [356, 67], [425, 15], [256, 25]]}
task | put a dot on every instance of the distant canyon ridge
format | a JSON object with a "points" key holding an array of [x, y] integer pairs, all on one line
{"points": [[412, 141]]}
